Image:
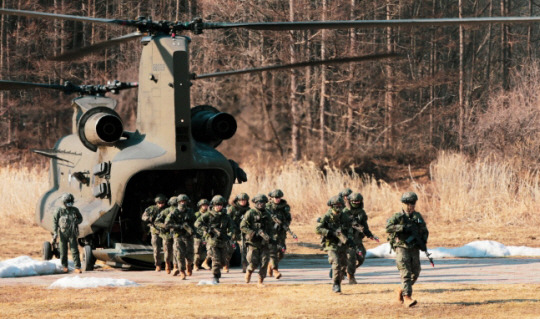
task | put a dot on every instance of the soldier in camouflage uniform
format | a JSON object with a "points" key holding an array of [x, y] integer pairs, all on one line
{"points": [[360, 230], [66, 222], [199, 246], [165, 233], [181, 220], [257, 226], [236, 212], [404, 229], [281, 216], [335, 227], [345, 195], [149, 216], [215, 227]]}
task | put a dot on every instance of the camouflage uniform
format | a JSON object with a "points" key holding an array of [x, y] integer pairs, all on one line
{"points": [[216, 245], [182, 220], [328, 227], [199, 246], [236, 212], [400, 228], [280, 212], [149, 216], [256, 225], [66, 222], [360, 230], [166, 237]]}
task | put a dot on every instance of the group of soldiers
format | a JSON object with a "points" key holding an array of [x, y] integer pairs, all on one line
{"points": [[191, 240], [345, 225]]}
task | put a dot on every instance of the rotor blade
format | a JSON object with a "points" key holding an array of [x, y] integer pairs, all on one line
{"points": [[45, 15], [315, 25], [16, 85], [299, 65], [77, 53]]}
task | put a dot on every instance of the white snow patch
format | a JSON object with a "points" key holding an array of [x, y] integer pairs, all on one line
{"points": [[24, 266], [91, 282], [475, 249], [207, 282]]}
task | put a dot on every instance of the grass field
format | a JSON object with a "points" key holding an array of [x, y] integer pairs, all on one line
{"points": [[272, 301]]}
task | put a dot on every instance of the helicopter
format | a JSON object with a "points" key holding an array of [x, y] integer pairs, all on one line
{"points": [[112, 172]]}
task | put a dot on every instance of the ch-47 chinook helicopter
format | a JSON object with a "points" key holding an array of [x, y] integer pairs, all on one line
{"points": [[111, 171]]}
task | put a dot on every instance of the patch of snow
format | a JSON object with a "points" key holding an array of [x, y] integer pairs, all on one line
{"points": [[207, 282], [91, 282], [24, 266]]}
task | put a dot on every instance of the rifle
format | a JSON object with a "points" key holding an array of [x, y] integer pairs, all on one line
{"points": [[342, 238], [414, 238], [279, 223], [184, 226], [360, 228]]}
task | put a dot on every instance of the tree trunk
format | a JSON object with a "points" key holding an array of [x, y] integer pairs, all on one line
{"points": [[295, 117], [461, 83], [352, 78], [322, 104], [388, 97]]}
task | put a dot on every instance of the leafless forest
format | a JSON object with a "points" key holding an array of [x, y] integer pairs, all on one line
{"points": [[471, 89]]}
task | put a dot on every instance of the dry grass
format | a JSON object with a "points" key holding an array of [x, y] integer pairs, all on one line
{"points": [[463, 201], [273, 301]]}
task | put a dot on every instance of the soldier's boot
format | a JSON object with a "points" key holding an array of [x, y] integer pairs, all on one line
{"points": [[226, 268], [408, 301], [277, 273], [158, 268], [399, 293], [78, 271], [260, 283], [244, 267], [352, 280], [331, 273], [216, 280], [65, 270], [336, 288], [205, 264], [175, 271], [270, 271], [196, 267], [189, 269], [168, 267], [183, 274], [248, 276]]}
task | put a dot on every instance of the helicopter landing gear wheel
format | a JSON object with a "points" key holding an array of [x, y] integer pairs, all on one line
{"points": [[47, 251], [89, 260]]}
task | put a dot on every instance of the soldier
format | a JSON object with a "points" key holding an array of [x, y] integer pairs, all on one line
{"points": [[257, 228], [215, 227], [149, 216], [360, 230], [335, 227], [165, 233], [345, 195], [407, 231], [66, 222], [199, 246], [181, 221], [236, 212], [281, 216]]}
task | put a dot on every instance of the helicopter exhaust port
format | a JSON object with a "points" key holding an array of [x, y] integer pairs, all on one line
{"points": [[100, 126], [210, 126]]}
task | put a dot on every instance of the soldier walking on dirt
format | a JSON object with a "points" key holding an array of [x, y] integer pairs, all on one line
{"points": [[149, 216], [257, 228], [165, 233], [360, 229], [407, 233], [199, 246], [180, 221], [236, 212], [215, 227], [335, 228], [66, 222], [281, 216]]}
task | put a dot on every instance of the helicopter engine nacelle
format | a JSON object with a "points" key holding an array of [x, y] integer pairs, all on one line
{"points": [[210, 126], [100, 126]]}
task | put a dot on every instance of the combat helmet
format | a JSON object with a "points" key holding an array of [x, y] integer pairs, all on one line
{"points": [[345, 192], [68, 198], [160, 198], [173, 201], [336, 200], [183, 197], [203, 201], [242, 196], [276, 193], [356, 197], [260, 198], [409, 198], [218, 200]]}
